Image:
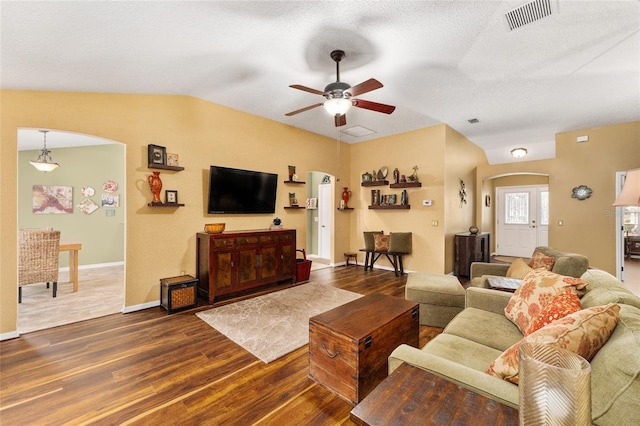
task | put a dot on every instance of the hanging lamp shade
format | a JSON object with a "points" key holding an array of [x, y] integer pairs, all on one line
{"points": [[630, 194], [44, 163]]}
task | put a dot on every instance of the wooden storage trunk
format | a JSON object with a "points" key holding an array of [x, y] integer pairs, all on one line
{"points": [[349, 345], [178, 293]]}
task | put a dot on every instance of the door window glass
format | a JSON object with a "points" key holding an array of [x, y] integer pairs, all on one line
{"points": [[516, 206], [544, 208]]}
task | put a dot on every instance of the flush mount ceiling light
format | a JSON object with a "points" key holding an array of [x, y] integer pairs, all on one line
{"points": [[44, 163], [519, 152]]}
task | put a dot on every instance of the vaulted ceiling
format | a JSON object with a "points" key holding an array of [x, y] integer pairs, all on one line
{"points": [[440, 61]]}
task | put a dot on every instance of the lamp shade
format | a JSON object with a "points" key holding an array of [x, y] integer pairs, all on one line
{"points": [[337, 106], [44, 166], [630, 194]]}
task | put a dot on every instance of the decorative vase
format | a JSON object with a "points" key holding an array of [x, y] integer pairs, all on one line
{"points": [[396, 175], [366, 177], [155, 184], [404, 199], [473, 229], [375, 197], [346, 194], [555, 386]]}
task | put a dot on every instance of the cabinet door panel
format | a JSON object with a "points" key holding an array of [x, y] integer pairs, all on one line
{"points": [[247, 268], [288, 259], [223, 272], [268, 262]]}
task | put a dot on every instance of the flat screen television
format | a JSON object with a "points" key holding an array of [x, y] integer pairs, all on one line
{"points": [[237, 191]]}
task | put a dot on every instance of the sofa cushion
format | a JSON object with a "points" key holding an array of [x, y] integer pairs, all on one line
{"points": [[369, 236], [381, 242], [471, 324], [518, 269], [400, 242], [604, 288], [560, 306], [537, 289], [615, 372], [539, 260], [583, 332], [569, 264]]}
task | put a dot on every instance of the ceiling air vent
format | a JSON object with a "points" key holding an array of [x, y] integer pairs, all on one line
{"points": [[528, 13]]}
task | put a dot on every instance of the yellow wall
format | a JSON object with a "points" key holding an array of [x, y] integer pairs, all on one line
{"points": [[161, 242], [443, 157], [589, 225]]}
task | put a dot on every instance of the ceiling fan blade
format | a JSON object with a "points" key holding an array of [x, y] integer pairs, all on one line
{"points": [[307, 89], [373, 106], [364, 87], [340, 120], [298, 111]]}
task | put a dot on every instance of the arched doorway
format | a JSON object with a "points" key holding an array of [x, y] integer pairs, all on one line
{"points": [[92, 170]]}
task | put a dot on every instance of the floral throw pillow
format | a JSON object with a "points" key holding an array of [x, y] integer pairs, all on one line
{"points": [[381, 242], [583, 332], [560, 306], [538, 288], [540, 260], [518, 269]]}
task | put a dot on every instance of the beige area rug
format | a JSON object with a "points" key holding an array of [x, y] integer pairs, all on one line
{"points": [[275, 324]]}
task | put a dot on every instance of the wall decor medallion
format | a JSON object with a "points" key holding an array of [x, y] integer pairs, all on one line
{"points": [[87, 191], [581, 192]]}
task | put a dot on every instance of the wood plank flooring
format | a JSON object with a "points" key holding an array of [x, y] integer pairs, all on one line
{"points": [[150, 368]]}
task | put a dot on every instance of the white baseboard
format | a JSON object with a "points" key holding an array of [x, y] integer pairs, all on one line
{"points": [[128, 309], [94, 266], [9, 335]]}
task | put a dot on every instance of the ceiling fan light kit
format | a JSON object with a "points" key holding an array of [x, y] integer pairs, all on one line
{"points": [[44, 163], [339, 95]]}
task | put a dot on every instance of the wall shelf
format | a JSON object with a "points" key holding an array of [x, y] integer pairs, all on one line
{"points": [[295, 207], [345, 208], [165, 205], [375, 183], [165, 167], [391, 207], [298, 182], [406, 185]]}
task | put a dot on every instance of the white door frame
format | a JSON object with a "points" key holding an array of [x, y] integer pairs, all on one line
{"points": [[620, 176]]}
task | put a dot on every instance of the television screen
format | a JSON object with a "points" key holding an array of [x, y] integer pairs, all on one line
{"points": [[241, 191]]}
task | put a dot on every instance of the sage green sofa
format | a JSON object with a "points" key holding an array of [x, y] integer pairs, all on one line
{"points": [[568, 264], [480, 333]]}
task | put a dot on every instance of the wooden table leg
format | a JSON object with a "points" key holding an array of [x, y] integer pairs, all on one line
{"points": [[73, 269]]}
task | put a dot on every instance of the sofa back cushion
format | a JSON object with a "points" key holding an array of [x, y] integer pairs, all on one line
{"points": [[603, 288], [569, 264], [615, 373], [369, 239]]}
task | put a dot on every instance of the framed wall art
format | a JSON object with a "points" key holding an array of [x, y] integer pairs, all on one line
{"points": [[157, 154], [171, 197], [52, 199]]}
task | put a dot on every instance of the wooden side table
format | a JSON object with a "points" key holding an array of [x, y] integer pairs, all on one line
{"points": [[413, 396]]}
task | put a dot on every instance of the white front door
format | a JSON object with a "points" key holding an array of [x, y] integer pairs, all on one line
{"points": [[325, 224], [522, 220]]}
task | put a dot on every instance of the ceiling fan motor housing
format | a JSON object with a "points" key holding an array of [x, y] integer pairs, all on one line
{"points": [[337, 89]]}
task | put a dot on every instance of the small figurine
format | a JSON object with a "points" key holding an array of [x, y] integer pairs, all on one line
{"points": [[414, 176]]}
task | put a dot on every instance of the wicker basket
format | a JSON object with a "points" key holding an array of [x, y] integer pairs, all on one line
{"points": [[214, 228]]}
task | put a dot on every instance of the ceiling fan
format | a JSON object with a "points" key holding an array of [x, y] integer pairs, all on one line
{"points": [[340, 96]]}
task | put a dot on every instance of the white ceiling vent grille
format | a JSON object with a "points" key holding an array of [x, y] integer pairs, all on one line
{"points": [[528, 13]]}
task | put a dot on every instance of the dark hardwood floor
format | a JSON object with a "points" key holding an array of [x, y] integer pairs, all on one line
{"points": [[150, 368]]}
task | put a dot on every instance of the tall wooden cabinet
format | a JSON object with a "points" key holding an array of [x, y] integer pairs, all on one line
{"points": [[233, 263], [470, 248]]}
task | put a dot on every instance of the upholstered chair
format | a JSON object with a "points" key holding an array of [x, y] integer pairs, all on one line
{"points": [[38, 254]]}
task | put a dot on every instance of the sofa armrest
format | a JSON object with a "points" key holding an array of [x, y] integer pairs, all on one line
{"points": [[479, 269], [487, 299], [478, 381]]}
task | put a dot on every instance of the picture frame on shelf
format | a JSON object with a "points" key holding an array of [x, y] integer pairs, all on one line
{"points": [[171, 196], [157, 154], [172, 160]]}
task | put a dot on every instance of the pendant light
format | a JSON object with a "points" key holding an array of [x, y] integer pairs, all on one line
{"points": [[44, 163]]}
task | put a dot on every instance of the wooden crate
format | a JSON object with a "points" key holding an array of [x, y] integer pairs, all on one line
{"points": [[349, 346], [178, 293]]}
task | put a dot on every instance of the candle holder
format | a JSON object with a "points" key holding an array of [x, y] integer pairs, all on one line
{"points": [[555, 386]]}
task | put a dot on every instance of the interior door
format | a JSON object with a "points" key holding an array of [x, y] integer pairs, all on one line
{"points": [[325, 224], [522, 220]]}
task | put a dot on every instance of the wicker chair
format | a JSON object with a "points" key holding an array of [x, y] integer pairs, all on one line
{"points": [[38, 253]]}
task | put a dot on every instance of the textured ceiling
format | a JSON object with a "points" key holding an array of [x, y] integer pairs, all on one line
{"points": [[439, 61]]}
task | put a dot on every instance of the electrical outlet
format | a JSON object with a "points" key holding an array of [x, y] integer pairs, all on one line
{"points": [[434, 223], [426, 203]]}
